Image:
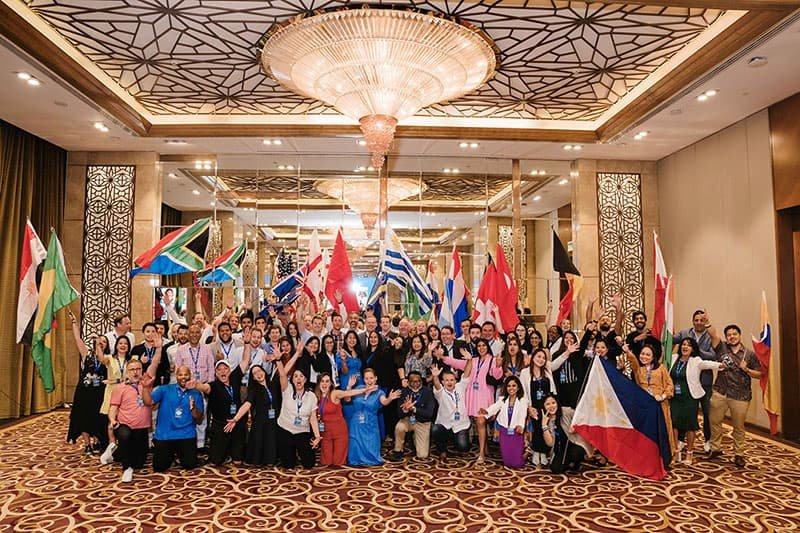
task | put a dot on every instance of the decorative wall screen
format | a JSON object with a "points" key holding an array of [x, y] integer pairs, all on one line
{"points": [[505, 236], [619, 218], [107, 246]]}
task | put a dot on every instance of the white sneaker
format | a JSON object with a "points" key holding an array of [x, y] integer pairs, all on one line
{"points": [[681, 446], [707, 446], [108, 456], [127, 475]]}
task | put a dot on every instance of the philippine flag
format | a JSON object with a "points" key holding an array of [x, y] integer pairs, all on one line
{"points": [[623, 421]]}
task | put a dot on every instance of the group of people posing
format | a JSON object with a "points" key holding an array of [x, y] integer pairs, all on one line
{"points": [[263, 392]]}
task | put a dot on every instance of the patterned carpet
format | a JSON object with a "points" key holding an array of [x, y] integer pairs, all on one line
{"points": [[49, 486]]}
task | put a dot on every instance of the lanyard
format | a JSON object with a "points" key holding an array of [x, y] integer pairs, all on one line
{"points": [[229, 390], [480, 364], [299, 402], [679, 367], [149, 353], [513, 369], [136, 388], [511, 408], [322, 405], [228, 351], [269, 394], [121, 365], [195, 357], [453, 396], [649, 372]]}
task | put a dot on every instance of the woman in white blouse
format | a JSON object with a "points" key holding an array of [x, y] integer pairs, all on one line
{"points": [[512, 412], [298, 418]]}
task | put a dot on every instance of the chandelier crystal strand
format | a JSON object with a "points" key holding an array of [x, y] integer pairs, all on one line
{"points": [[378, 63]]}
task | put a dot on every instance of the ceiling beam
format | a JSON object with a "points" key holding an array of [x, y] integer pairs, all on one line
{"points": [[23, 35], [736, 36], [745, 5]]}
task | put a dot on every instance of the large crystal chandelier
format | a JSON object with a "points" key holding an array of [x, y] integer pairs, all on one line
{"points": [[378, 64], [363, 195]]}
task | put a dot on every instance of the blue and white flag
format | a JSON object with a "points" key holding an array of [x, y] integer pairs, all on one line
{"points": [[454, 303], [398, 270]]}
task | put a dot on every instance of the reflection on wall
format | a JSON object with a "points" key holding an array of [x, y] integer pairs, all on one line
{"points": [[619, 209], [505, 237], [107, 246]]}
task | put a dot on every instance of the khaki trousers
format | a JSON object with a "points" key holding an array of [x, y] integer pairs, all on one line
{"points": [[422, 436], [738, 412]]}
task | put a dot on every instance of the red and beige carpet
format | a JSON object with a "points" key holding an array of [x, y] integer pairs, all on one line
{"points": [[49, 486]]}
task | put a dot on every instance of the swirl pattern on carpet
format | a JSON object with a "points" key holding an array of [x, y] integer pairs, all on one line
{"points": [[46, 485]]}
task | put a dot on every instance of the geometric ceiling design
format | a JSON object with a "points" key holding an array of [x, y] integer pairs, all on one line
{"points": [[241, 184], [559, 60]]}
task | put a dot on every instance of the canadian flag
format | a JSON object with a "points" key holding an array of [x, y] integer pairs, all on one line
{"points": [[33, 253]]}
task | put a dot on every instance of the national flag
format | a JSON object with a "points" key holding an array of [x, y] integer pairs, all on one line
{"points": [[564, 265], [182, 250], [432, 281], [400, 272], [33, 253], [454, 303], [284, 266], [411, 304], [763, 349], [507, 294], [377, 292], [226, 267], [55, 293], [314, 271], [340, 279], [660, 299], [486, 301], [623, 421], [669, 323]]}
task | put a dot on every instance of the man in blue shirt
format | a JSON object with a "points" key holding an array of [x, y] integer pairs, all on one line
{"points": [[180, 410]]}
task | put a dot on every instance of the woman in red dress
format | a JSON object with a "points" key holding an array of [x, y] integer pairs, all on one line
{"points": [[332, 426]]}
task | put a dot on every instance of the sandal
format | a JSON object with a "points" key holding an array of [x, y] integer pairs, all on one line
{"points": [[688, 460]]}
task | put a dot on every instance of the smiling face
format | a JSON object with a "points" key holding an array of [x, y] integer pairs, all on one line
{"points": [[194, 334], [325, 385], [414, 382], [374, 339], [550, 406], [255, 338], [520, 331], [512, 388], [312, 345], [686, 348], [223, 373], [416, 344], [539, 359], [183, 375], [329, 345], [369, 378], [646, 355], [733, 337], [258, 374], [134, 371], [449, 381], [225, 333]]}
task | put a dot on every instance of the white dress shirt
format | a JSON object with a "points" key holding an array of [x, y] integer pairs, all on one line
{"points": [[451, 403]]}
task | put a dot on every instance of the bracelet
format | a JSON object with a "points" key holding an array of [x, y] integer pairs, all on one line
{"points": [[545, 428]]}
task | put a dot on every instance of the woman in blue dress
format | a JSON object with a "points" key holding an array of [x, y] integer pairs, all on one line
{"points": [[365, 438], [348, 361]]}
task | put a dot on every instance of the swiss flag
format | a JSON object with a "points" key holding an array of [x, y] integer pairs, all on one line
{"points": [[506, 293], [340, 278], [486, 308]]}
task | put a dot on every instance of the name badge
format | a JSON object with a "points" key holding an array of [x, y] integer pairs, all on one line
{"points": [[321, 427], [509, 431], [412, 419], [362, 418], [297, 421], [563, 377], [271, 414], [677, 388], [197, 375], [539, 394], [456, 416], [96, 382], [178, 412], [233, 409], [474, 385], [140, 402]]}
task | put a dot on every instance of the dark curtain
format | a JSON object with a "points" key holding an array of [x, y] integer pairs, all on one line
{"points": [[32, 185]]}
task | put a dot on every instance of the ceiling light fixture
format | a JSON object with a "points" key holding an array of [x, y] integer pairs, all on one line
{"points": [[195, 192], [408, 59], [34, 82], [361, 142], [100, 126], [177, 142], [24, 76], [641, 135], [706, 95], [572, 147], [537, 198], [757, 61], [563, 181]]}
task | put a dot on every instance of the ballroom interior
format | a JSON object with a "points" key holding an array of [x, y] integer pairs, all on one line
{"points": [[606, 122]]}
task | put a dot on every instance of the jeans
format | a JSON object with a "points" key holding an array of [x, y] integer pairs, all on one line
{"points": [[442, 436]]}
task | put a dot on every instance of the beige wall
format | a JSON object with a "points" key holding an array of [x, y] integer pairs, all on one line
{"points": [[718, 232]]}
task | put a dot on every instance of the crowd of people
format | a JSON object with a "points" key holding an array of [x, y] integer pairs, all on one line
{"points": [[334, 390]]}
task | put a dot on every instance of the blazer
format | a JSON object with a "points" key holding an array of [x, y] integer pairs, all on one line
{"points": [[500, 408], [693, 367]]}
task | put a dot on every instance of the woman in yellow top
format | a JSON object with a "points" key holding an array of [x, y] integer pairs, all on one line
{"points": [[115, 365], [653, 377]]}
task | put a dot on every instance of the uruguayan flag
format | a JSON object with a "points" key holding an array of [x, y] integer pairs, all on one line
{"points": [[400, 272]]}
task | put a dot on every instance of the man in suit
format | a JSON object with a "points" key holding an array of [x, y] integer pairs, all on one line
{"points": [[370, 325], [452, 346]]}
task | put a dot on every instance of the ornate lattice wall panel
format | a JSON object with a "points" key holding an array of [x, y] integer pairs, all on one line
{"points": [[559, 60], [107, 246], [505, 236], [619, 218], [249, 268]]}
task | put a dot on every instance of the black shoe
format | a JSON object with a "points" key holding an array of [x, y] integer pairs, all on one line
{"points": [[739, 461], [396, 456], [713, 454]]}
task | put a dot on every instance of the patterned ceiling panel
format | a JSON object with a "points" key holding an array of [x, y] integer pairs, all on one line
{"points": [[562, 61], [439, 188]]}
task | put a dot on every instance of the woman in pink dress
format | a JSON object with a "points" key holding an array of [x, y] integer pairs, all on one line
{"points": [[480, 395]]}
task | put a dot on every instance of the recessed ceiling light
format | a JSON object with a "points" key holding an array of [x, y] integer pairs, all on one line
{"points": [[100, 126], [371, 169], [281, 167], [195, 192], [702, 98], [361, 142], [171, 175], [249, 233], [537, 198], [362, 169], [34, 82], [24, 76], [757, 61], [446, 170], [572, 147], [711, 92], [289, 167], [473, 145], [175, 141], [463, 145], [464, 236], [563, 181], [212, 204], [453, 227], [542, 172]]}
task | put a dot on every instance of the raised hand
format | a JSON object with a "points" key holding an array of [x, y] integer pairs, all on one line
{"points": [[372, 388], [352, 381], [616, 301], [626, 348], [246, 335], [394, 395], [518, 429], [147, 380], [158, 343], [436, 370], [192, 383]]}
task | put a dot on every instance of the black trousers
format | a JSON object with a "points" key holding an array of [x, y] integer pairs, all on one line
{"points": [[442, 436], [133, 446], [224, 444], [164, 452], [290, 445], [567, 459]]}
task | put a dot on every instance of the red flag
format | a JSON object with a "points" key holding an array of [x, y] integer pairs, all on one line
{"points": [[33, 253], [340, 277], [507, 294], [486, 300]]}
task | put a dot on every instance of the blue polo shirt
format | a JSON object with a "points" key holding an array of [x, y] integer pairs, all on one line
{"points": [[174, 420]]}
